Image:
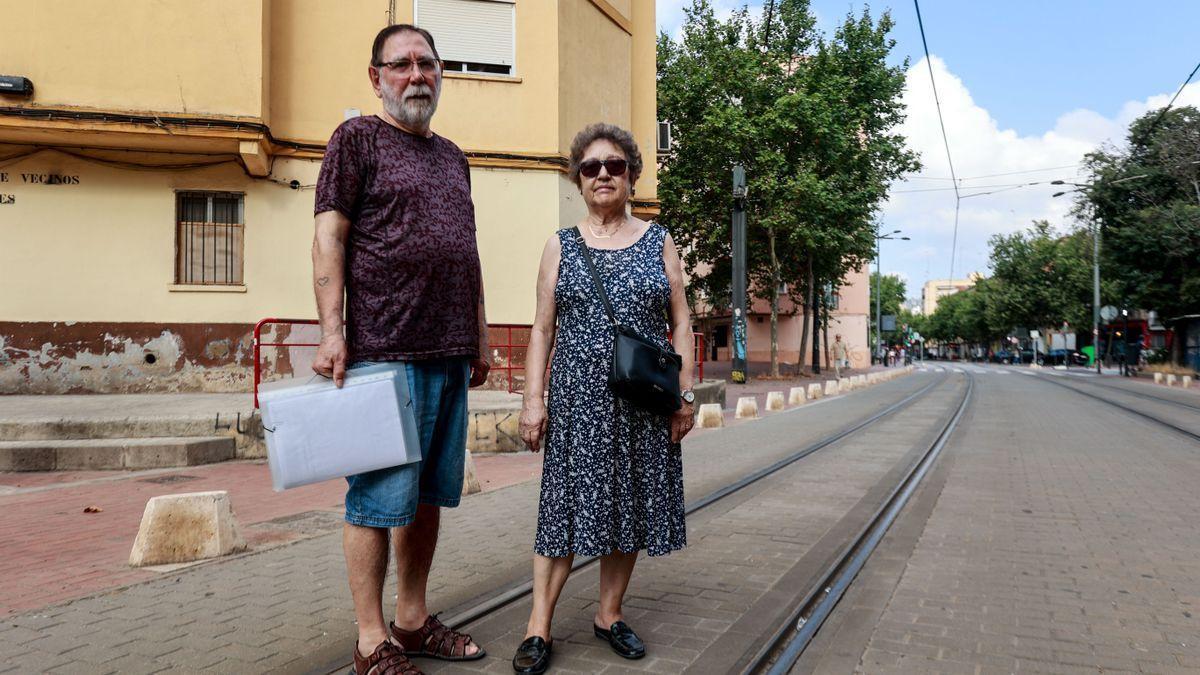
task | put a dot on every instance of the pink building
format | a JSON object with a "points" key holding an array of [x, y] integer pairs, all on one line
{"points": [[849, 317]]}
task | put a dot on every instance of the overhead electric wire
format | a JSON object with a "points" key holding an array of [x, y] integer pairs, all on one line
{"points": [[974, 187], [945, 140], [993, 175], [1163, 112]]}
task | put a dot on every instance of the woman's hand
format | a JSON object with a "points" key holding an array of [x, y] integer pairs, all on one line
{"points": [[682, 422], [532, 424]]}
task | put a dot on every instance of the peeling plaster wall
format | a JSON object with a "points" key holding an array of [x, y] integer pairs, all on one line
{"points": [[93, 357]]}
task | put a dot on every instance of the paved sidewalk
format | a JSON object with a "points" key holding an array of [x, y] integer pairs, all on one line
{"points": [[287, 608], [53, 551]]}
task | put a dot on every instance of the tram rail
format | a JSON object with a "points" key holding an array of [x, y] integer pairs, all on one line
{"points": [[488, 604], [785, 647], [1133, 411]]}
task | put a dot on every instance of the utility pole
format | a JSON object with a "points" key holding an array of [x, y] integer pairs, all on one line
{"points": [[1085, 187], [738, 371], [1096, 291], [879, 290]]}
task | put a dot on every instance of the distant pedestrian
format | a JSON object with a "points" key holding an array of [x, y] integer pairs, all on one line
{"points": [[841, 357], [409, 269], [612, 478]]}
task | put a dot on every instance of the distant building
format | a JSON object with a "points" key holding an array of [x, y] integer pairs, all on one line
{"points": [[935, 290], [848, 310]]}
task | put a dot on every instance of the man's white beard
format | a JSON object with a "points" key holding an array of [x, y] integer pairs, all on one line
{"points": [[413, 114]]}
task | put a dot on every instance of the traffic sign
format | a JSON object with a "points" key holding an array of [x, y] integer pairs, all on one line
{"points": [[1108, 312]]}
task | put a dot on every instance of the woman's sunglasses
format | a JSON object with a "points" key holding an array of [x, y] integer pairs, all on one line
{"points": [[591, 168]]}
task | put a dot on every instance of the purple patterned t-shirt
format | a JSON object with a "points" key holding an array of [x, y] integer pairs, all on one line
{"points": [[412, 262]]}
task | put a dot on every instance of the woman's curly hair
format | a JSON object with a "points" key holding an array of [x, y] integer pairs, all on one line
{"points": [[609, 132]]}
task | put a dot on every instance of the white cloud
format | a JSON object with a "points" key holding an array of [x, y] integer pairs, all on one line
{"points": [[981, 149]]}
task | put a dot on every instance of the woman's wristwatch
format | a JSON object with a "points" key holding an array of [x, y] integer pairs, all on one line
{"points": [[688, 396]]}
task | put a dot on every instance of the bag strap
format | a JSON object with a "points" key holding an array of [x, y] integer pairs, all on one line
{"points": [[587, 258]]}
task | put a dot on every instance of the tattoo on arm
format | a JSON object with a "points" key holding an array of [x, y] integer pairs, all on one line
{"points": [[322, 281]]}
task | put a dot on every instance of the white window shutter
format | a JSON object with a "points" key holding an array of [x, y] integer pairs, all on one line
{"points": [[471, 31]]}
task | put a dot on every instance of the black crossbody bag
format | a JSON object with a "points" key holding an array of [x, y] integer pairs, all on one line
{"points": [[642, 373]]}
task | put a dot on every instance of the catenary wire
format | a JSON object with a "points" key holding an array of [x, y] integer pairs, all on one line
{"points": [[1163, 112], [945, 140]]}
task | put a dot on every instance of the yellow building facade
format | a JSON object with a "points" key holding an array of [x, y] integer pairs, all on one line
{"points": [[156, 186]]}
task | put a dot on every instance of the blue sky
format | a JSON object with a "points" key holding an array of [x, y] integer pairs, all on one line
{"points": [[1025, 86]]}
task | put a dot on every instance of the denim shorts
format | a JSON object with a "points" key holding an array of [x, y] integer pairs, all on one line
{"points": [[389, 497]]}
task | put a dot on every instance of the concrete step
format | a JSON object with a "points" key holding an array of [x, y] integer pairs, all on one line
{"points": [[114, 453], [83, 428]]}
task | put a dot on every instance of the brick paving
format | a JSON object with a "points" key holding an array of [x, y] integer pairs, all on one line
{"points": [[1050, 539], [89, 551], [704, 608], [286, 609]]}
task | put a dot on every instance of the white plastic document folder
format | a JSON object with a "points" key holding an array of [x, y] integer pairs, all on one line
{"points": [[316, 431]]}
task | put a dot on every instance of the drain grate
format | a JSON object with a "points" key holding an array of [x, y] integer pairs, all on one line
{"points": [[169, 479]]}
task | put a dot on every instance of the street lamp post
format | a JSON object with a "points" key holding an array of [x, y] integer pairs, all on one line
{"points": [[1095, 260], [879, 289]]}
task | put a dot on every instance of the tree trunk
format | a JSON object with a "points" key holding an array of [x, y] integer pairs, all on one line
{"points": [[808, 301], [825, 332], [774, 303], [816, 329]]}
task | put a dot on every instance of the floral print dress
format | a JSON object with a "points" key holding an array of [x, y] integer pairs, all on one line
{"points": [[611, 478]]}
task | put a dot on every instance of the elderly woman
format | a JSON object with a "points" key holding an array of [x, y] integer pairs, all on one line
{"points": [[612, 478]]}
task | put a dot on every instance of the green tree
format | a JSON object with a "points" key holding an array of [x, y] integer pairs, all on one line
{"points": [[809, 118], [1039, 280], [1146, 199]]}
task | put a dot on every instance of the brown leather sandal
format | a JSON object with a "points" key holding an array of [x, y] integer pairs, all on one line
{"points": [[436, 640], [387, 659]]}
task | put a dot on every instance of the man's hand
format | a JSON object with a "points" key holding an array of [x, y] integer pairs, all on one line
{"points": [[682, 422], [331, 358], [532, 424], [479, 371]]}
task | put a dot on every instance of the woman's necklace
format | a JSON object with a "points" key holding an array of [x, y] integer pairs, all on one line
{"points": [[610, 235]]}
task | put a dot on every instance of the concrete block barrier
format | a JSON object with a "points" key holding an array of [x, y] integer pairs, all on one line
{"points": [[796, 396], [470, 479], [710, 416], [1158, 378], [747, 408], [186, 527], [814, 391], [775, 401], [1170, 380], [1186, 382], [831, 388]]}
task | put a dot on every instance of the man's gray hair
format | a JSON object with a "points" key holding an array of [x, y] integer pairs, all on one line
{"points": [[608, 132]]}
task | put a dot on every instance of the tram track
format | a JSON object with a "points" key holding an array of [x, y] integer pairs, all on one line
{"points": [[787, 644], [1133, 411], [1140, 394], [466, 614]]}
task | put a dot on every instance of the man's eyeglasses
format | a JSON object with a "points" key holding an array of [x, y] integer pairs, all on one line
{"points": [[426, 66], [591, 167]]}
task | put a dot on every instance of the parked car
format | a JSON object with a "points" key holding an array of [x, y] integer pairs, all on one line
{"points": [[1003, 356], [1060, 357]]}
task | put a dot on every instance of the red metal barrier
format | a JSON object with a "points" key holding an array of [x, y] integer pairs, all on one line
{"points": [[509, 344], [258, 344]]}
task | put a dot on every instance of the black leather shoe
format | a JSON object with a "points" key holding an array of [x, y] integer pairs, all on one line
{"points": [[622, 639], [533, 656]]}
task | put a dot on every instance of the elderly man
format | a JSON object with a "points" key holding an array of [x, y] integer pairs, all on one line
{"points": [[395, 238], [841, 357]]}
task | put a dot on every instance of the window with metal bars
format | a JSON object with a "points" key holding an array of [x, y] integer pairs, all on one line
{"points": [[209, 238]]}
